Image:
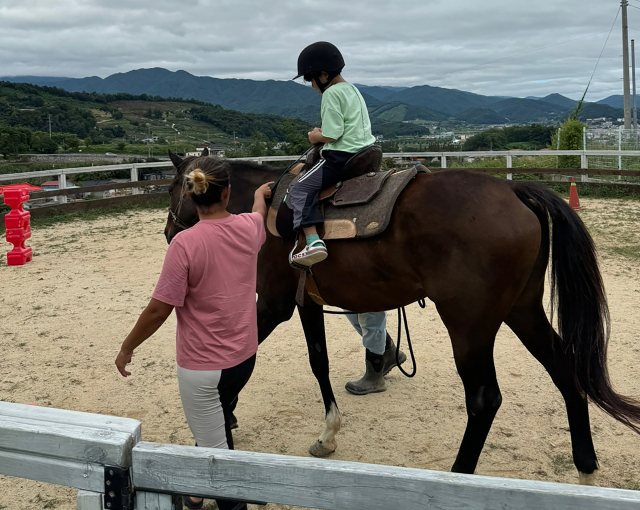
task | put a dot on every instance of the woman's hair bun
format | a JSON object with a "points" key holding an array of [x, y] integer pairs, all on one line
{"points": [[207, 181], [199, 181]]}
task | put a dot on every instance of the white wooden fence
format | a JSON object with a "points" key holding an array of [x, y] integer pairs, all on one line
{"points": [[62, 173], [104, 457]]}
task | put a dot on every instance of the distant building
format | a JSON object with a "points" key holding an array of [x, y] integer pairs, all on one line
{"points": [[52, 186], [215, 149], [97, 194]]}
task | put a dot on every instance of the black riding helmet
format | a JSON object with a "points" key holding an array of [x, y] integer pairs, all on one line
{"points": [[318, 57]]}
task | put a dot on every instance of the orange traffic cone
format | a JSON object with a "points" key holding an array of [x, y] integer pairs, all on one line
{"points": [[574, 201]]}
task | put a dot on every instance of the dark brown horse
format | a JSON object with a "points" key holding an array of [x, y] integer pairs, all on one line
{"points": [[478, 247]]}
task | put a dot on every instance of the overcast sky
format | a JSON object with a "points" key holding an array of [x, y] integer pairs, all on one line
{"points": [[493, 47]]}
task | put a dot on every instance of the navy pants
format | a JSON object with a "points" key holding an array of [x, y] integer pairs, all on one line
{"points": [[304, 194]]}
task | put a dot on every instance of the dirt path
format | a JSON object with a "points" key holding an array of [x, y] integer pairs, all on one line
{"points": [[63, 317]]}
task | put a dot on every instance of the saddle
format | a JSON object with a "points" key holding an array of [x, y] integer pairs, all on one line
{"points": [[358, 207]]}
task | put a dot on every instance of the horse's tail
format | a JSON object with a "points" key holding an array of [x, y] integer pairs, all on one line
{"points": [[578, 296]]}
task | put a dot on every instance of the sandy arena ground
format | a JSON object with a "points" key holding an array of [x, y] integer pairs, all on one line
{"points": [[64, 315]]}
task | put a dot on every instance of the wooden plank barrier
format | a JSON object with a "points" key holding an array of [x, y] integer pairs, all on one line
{"points": [[88, 451], [337, 485], [64, 447]]}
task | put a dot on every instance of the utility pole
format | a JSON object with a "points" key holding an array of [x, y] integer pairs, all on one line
{"points": [[625, 65], [633, 74], [49, 125]]}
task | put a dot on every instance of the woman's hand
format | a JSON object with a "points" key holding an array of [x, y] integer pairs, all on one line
{"points": [[122, 360], [264, 191], [150, 320], [261, 194]]}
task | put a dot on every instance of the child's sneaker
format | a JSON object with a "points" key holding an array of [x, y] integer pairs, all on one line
{"points": [[310, 254]]}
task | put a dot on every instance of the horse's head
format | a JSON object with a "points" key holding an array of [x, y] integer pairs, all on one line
{"points": [[182, 210]]}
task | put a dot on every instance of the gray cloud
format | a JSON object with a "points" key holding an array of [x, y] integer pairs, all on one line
{"points": [[497, 47]]}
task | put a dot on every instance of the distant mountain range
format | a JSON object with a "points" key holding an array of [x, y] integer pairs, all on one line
{"points": [[291, 99]]}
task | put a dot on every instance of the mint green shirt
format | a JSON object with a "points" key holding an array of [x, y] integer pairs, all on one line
{"points": [[345, 118]]}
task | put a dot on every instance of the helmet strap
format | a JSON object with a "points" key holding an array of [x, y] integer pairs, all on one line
{"points": [[330, 78]]}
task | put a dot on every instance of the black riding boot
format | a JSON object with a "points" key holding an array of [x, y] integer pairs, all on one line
{"points": [[390, 356], [373, 379]]}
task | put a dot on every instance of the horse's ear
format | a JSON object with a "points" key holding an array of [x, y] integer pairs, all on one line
{"points": [[205, 152], [175, 159]]}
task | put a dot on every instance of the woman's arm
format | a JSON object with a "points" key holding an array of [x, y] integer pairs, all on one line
{"points": [[259, 204], [153, 316]]}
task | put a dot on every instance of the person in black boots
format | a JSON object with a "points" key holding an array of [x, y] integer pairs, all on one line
{"points": [[380, 357]]}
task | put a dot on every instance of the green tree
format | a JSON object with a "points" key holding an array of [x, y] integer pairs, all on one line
{"points": [[297, 139], [88, 142], [71, 142], [489, 140], [40, 142], [14, 141], [260, 145], [121, 146], [571, 133], [117, 115]]}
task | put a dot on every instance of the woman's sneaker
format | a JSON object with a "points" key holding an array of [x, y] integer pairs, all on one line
{"points": [[310, 254]]}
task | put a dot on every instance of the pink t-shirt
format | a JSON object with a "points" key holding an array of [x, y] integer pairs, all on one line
{"points": [[209, 275]]}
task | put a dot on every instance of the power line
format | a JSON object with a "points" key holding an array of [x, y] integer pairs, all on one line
{"points": [[603, 48]]}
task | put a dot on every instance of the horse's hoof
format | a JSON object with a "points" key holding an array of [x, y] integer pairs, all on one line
{"points": [[318, 449], [588, 479]]}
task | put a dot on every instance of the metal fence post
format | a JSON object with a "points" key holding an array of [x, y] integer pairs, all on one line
{"points": [[509, 165], [62, 184], [443, 161], [134, 178]]}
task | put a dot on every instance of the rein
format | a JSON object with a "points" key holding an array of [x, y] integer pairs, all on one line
{"points": [[402, 316], [275, 185]]}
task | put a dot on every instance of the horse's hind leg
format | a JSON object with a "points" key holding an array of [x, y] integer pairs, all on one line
{"points": [[530, 324], [472, 339]]}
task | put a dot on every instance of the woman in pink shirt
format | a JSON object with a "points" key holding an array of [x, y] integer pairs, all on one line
{"points": [[209, 277]]}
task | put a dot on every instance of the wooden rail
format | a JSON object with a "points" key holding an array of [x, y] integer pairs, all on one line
{"points": [[337, 485], [104, 457], [64, 447]]}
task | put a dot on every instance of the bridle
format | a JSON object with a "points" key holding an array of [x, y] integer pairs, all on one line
{"points": [[174, 216], [177, 221]]}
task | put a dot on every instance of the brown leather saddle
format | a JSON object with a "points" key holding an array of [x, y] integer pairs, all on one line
{"points": [[359, 206]]}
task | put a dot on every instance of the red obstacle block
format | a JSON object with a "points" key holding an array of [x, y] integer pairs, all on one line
{"points": [[17, 223]]}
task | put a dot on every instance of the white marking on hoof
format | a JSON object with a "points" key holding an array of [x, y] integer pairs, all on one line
{"points": [[327, 444], [320, 450], [586, 479]]}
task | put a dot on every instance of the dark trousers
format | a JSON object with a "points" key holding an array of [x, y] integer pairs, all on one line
{"points": [[304, 194]]}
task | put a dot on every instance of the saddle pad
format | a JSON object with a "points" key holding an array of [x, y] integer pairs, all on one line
{"points": [[360, 190], [281, 190], [372, 218]]}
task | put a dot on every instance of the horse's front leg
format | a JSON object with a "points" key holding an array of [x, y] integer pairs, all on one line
{"points": [[312, 319], [272, 313]]}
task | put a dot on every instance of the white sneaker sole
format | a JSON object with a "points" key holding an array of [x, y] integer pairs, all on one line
{"points": [[311, 258]]}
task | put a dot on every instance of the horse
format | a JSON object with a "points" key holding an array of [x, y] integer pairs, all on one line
{"points": [[478, 247]]}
